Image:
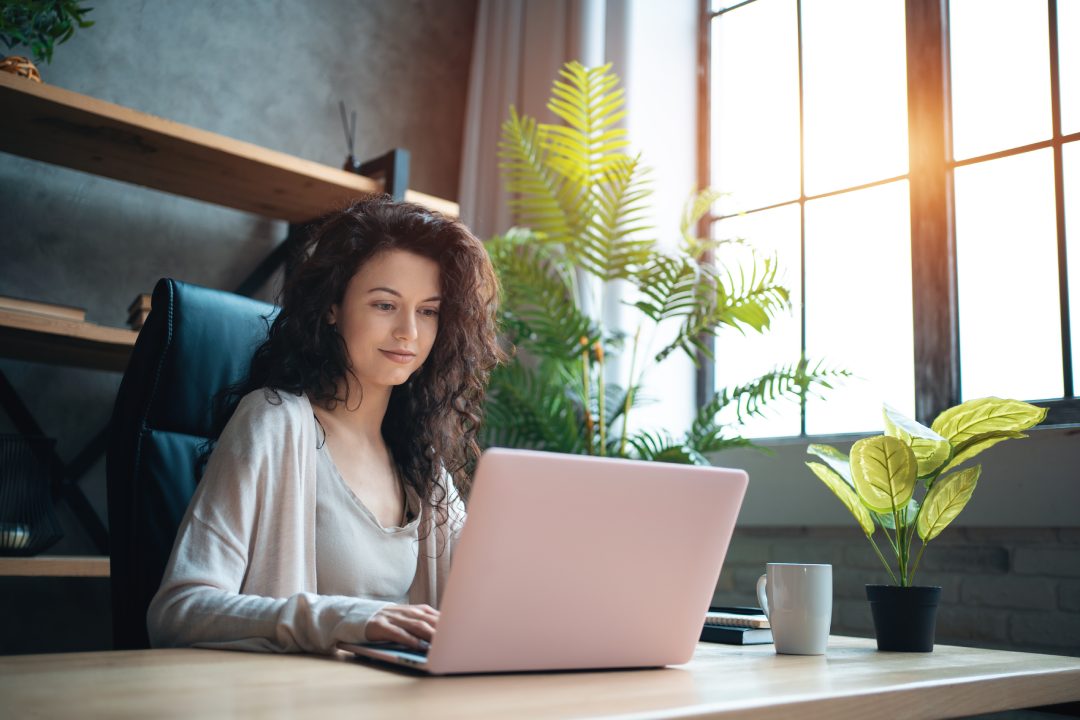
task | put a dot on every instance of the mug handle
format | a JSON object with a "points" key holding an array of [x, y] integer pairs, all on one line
{"points": [[761, 598]]}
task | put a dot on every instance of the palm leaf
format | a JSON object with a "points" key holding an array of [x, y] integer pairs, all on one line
{"points": [[541, 200], [750, 399], [746, 297], [531, 408], [668, 286], [538, 298], [609, 245], [661, 447]]}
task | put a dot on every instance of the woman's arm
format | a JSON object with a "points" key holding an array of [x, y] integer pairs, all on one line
{"points": [[241, 574], [201, 603]]}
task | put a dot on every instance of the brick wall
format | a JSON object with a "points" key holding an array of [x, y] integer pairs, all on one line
{"points": [[1006, 588]]}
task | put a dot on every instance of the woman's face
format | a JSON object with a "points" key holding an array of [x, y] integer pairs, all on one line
{"points": [[389, 317]]}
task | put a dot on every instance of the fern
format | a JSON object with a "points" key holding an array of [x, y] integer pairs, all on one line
{"points": [[582, 200], [538, 297]]}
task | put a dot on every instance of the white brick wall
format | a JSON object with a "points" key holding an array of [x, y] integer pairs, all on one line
{"points": [[1011, 588]]}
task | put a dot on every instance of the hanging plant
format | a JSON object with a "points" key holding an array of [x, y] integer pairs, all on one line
{"points": [[41, 24]]}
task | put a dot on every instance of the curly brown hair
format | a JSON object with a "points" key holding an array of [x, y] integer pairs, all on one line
{"points": [[432, 420]]}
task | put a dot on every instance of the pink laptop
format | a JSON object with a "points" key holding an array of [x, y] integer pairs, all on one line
{"points": [[569, 562]]}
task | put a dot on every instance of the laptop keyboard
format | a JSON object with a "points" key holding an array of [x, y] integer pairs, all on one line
{"points": [[406, 650]]}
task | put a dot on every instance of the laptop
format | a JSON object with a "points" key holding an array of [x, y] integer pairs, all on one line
{"points": [[571, 562]]}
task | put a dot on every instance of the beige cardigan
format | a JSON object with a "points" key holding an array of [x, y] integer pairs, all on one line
{"points": [[242, 571]]}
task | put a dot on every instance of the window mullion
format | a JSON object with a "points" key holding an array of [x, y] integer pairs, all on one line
{"points": [[1059, 202], [933, 239]]}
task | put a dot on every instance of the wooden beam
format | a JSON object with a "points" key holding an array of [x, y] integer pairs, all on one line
{"points": [[37, 338], [58, 126], [933, 238], [55, 566]]}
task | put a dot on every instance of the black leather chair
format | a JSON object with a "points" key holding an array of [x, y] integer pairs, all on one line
{"points": [[195, 342]]}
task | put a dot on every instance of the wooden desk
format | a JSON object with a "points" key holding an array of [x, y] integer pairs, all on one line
{"points": [[852, 681]]}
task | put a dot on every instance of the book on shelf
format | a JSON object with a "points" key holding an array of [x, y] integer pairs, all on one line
{"points": [[730, 635], [33, 307], [137, 311]]}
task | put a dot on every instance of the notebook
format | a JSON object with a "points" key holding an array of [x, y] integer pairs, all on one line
{"points": [[750, 617], [730, 635], [571, 562]]}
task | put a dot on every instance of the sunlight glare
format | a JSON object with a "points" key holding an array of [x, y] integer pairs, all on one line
{"points": [[755, 98], [1007, 285], [999, 51], [740, 359], [855, 93], [858, 306]]}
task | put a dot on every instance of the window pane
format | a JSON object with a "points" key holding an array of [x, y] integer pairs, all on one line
{"points": [[1000, 75], [858, 305], [740, 359], [1071, 153], [855, 92], [1068, 12], [755, 105], [1007, 285], [716, 5]]}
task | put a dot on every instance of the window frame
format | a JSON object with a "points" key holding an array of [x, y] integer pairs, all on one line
{"points": [[935, 312]]}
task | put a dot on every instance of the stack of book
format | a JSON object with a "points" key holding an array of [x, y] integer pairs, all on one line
{"points": [[137, 312], [736, 626]]}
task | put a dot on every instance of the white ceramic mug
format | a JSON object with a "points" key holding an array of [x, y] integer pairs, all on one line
{"points": [[797, 599]]}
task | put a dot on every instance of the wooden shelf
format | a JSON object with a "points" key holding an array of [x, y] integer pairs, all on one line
{"points": [[55, 566], [26, 336], [47, 123]]}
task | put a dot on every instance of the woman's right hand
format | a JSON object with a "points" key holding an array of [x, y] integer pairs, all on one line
{"points": [[410, 625]]}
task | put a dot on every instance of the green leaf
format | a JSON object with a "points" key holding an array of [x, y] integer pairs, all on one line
{"points": [[976, 444], [907, 516], [986, 415], [661, 447], [835, 459], [847, 496], [945, 500], [883, 470], [931, 450]]}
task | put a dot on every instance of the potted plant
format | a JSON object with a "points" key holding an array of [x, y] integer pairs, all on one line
{"points": [[580, 200], [38, 25], [879, 480]]}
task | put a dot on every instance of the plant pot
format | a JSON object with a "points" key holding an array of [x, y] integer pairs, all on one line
{"points": [[904, 617], [19, 65]]}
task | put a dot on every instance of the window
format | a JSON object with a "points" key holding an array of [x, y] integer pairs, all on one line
{"points": [[932, 263]]}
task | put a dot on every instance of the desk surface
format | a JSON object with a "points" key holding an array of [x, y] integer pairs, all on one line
{"points": [[852, 681]]}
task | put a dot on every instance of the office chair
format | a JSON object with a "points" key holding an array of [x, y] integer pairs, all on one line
{"points": [[195, 342]]}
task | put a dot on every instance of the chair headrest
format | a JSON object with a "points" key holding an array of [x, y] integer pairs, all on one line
{"points": [[206, 339]]}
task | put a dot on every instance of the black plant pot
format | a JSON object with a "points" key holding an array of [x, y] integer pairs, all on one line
{"points": [[904, 617]]}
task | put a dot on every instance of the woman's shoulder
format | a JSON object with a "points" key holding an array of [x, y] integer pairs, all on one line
{"points": [[267, 407]]}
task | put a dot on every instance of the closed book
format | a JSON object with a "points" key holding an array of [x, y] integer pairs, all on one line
{"points": [[735, 635], [737, 617]]}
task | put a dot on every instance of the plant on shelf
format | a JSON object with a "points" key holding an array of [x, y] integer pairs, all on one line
{"points": [[878, 480], [581, 200], [39, 25]]}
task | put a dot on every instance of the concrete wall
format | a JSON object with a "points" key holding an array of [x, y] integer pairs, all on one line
{"points": [[269, 72]]}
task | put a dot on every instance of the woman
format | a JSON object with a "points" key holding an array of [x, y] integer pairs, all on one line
{"points": [[331, 503]]}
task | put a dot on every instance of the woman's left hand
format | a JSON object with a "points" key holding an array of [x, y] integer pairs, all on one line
{"points": [[410, 625]]}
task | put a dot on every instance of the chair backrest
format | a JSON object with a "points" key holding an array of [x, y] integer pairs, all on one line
{"points": [[195, 342]]}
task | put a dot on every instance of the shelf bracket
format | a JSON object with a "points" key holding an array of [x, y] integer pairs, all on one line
{"points": [[392, 168], [65, 477]]}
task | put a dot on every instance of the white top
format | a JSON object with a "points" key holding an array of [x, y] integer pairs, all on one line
{"points": [[242, 574], [355, 554]]}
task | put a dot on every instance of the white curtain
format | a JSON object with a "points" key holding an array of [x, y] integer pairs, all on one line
{"points": [[518, 48]]}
